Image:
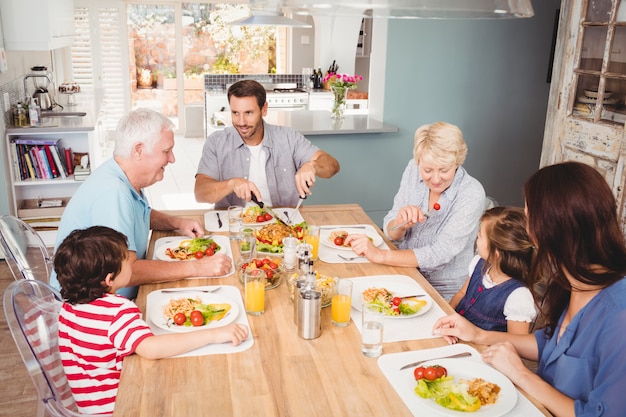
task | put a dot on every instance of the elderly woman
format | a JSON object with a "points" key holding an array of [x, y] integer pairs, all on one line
{"points": [[581, 253], [435, 216]]}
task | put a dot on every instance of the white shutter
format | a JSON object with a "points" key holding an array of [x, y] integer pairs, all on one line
{"points": [[99, 56]]}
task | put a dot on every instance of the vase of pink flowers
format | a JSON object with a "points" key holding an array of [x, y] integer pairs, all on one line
{"points": [[339, 85]]}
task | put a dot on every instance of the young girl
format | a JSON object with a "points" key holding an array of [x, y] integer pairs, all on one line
{"points": [[98, 328], [495, 295]]}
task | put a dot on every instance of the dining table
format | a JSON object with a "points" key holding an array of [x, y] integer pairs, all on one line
{"points": [[281, 373]]}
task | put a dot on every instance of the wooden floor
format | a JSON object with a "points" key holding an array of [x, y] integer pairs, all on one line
{"points": [[18, 398]]}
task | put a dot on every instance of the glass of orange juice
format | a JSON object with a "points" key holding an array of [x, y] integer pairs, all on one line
{"points": [[254, 291], [341, 303], [312, 237]]}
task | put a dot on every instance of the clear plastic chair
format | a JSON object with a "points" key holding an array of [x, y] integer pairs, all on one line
{"points": [[24, 250], [32, 311]]}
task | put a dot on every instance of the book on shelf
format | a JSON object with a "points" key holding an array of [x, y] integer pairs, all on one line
{"points": [[34, 140], [56, 155], [35, 159], [29, 164], [43, 163], [51, 163], [69, 164]]}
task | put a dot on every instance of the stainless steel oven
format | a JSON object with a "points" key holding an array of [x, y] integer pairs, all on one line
{"points": [[286, 96]]}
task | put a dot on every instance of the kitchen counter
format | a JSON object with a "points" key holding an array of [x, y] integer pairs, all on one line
{"points": [[319, 122], [62, 124]]}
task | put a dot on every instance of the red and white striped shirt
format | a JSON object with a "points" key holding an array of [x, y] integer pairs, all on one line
{"points": [[94, 338]]}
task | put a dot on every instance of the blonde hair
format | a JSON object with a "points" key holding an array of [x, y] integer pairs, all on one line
{"points": [[440, 143]]}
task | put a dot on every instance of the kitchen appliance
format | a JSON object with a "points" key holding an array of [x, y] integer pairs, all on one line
{"points": [[42, 80], [286, 96]]}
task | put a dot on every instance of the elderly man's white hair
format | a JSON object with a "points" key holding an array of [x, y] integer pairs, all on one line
{"points": [[140, 125]]}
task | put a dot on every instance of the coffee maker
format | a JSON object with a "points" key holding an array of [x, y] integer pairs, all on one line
{"points": [[42, 80]]}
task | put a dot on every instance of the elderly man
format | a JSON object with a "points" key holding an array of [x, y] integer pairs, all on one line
{"points": [[113, 196], [276, 163]]}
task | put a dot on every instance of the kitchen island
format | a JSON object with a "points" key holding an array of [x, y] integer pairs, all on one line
{"points": [[317, 122]]}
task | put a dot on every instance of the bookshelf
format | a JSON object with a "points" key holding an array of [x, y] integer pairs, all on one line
{"points": [[39, 180]]}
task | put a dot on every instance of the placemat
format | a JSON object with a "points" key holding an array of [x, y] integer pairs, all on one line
{"points": [[229, 291], [331, 256], [402, 381], [223, 241], [396, 329], [212, 225]]}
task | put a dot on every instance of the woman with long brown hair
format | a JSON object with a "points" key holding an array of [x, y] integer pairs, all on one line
{"points": [[573, 223]]}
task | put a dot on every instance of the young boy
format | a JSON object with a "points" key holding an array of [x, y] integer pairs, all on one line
{"points": [[98, 328]]}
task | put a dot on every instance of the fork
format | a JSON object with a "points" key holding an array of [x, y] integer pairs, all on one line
{"points": [[287, 215], [348, 258]]}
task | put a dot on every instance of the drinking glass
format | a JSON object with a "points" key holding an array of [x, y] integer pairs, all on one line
{"points": [[234, 221], [341, 303], [372, 330], [312, 237], [290, 245], [254, 291]]}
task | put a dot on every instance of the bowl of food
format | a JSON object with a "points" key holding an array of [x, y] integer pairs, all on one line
{"points": [[269, 238], [323, 283], [272, 265]]}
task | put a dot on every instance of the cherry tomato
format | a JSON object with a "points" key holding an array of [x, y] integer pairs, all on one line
{"points": [[430, 373], [396, 301], [196, 318], [339, 241], [266, 261], [297, 229], [396, 310], [180, 319], [436, 206], [273, 265], [244, 266], [441, 371], [213, 246], [260, 218], [267, 217], [209, 251], [418, 372], [258, 263], [199, 254], [269, 274]]}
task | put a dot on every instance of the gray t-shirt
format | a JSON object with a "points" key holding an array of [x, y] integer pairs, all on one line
{"points": [[226, 156]]}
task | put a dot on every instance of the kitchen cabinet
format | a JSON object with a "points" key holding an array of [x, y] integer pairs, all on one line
{"points": [[37, 25], [364, 44], [586, 109]]}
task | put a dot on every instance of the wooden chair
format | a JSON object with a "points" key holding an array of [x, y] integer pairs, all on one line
{"points": [[24, 250], [32, 310]]}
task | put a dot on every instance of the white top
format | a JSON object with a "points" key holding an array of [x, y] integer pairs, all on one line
{"points": [[519, 306], [257, 172]]}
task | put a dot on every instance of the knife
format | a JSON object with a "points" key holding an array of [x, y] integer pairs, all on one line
{"points": [[267, 208], [415, 364], [219, 221]]}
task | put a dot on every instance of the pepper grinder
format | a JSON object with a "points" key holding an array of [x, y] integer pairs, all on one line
{"points": [[310, 308]]}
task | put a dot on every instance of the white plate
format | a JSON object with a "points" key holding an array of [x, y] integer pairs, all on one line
{"points": [[161, 300], [397, 289], [259, 223], [173, 244], [325, 234], [470, 369]]}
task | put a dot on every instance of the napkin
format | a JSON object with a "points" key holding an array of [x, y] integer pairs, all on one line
{"points": [[211, 223], [390, 366], [398, 329], [331, 255], [223, 241], [229, 291]]}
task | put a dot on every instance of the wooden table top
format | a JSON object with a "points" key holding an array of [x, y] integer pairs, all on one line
{"points": [[281, 374]]}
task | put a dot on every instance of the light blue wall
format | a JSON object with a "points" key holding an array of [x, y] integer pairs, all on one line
{"points": [[488, 77]]}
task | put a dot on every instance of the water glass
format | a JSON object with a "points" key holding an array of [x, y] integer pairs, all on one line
{"points": [[234, 221], [341, 303], [254, 291], [312, 237], [372, 330], [290, 247]]}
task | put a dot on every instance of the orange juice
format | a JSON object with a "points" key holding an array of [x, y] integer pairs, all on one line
{"points": [[340, 309], [255, 296], [312, 237]]}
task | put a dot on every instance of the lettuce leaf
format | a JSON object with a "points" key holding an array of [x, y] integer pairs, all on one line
{"points": [[448, 394]]}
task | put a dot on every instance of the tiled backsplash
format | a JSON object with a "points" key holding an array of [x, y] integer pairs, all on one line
{"points": [[218, 82], [15, 89]]}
